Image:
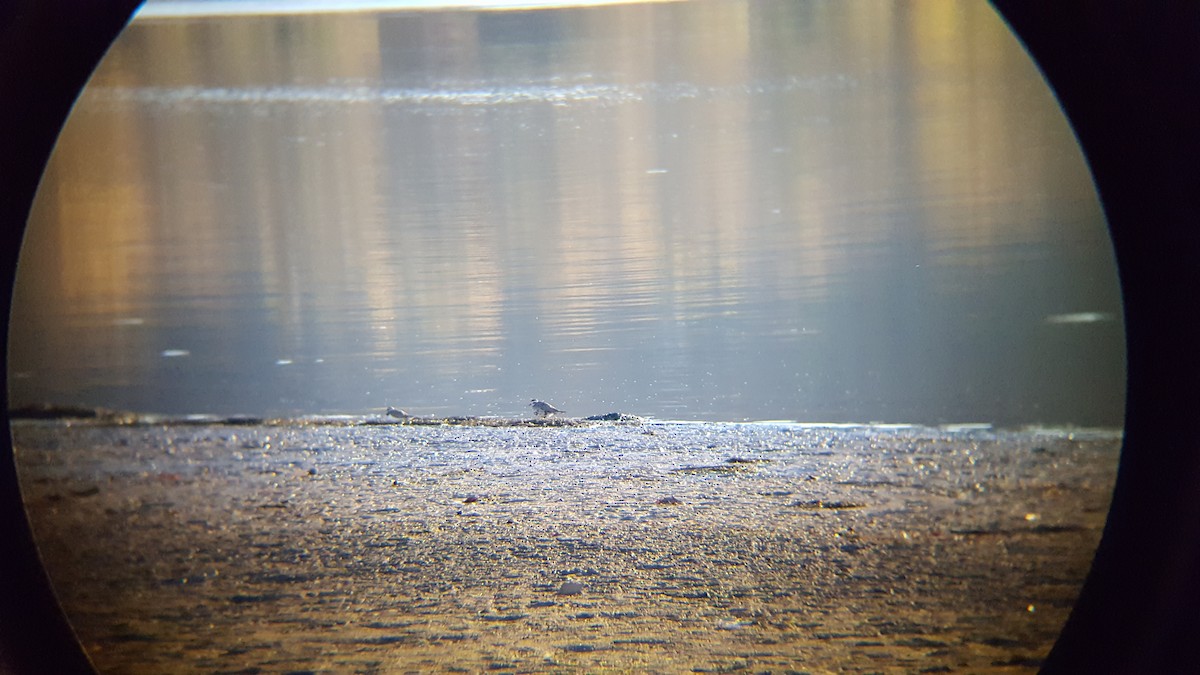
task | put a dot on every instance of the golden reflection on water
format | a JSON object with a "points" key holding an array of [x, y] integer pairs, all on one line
{"points": [[534, 200]]}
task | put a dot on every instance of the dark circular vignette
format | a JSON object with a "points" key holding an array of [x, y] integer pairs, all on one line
{"points": [[1128, 79], [48, 49]]}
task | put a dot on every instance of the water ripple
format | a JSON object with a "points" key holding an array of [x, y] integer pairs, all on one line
{"points": [[456, 94]]}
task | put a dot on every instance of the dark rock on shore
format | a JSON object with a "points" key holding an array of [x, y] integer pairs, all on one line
{"points": [[613, 417], [829, 505], [49, 411]]}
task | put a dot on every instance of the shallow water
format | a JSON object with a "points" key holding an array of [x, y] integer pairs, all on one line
{"points": [[818, 211], [364, 546]]}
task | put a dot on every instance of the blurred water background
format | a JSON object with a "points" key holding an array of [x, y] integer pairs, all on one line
{"points": [[813, 211]]}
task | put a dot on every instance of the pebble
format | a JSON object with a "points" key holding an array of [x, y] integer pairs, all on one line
{"points": [[570, 588]]}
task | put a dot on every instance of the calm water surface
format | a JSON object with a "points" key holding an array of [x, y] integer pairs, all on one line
{"points": [[716, 211]]}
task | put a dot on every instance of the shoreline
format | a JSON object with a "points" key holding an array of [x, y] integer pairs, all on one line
{"points": [[108, 417], [696, 548]]}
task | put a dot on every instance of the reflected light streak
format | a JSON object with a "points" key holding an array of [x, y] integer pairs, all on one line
{"points": [[177, 9], [425, 203]]}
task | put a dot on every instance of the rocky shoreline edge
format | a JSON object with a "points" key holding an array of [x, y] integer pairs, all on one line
{"points": [[107, 417]]}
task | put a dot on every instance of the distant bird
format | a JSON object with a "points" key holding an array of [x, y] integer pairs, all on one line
{"points": [[544, 409], [397, 413]]}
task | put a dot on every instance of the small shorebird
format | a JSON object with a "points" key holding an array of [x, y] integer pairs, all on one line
{"points": [[544, 409], [397, 413]]}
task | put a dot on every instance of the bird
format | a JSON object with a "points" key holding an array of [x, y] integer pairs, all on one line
{"points": [[544, 409], [396, 412]]}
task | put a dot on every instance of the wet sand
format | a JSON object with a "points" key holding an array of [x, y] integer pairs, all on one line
{"points": [[598, 547]]}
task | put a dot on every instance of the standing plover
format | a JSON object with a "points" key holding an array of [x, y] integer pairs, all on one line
{"points": [[544, 409]]}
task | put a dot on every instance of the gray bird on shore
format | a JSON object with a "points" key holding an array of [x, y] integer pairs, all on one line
{"points": [[543, 409], [397, 413]]}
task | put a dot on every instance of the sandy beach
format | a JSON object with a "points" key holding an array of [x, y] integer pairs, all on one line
{"points": [[342, 546]]}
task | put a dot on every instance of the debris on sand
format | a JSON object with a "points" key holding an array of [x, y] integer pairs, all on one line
{"points": [[50, 411], [822, 504], [712, 468], [613, 417], [570, 588]]}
